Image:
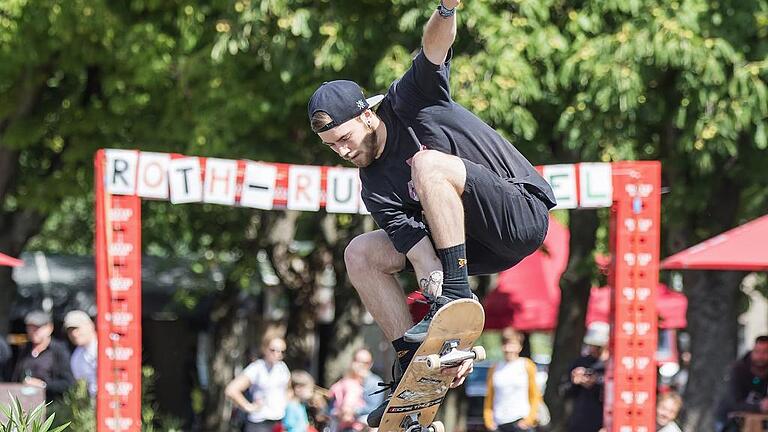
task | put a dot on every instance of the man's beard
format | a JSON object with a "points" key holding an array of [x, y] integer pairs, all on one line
{"points": [[368, 150]]}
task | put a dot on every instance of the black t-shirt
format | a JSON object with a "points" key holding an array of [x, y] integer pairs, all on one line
{"points": [[421, 100], [743, 391], [51, 366]]}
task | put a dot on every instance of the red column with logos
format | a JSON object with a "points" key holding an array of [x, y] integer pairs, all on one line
{"points": [[118, 300], [630, 388]]}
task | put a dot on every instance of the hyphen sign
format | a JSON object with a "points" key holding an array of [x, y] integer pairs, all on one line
{"points": [[124, 177]]}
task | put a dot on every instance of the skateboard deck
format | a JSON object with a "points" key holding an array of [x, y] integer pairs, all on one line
{"points": [[423, 387]]}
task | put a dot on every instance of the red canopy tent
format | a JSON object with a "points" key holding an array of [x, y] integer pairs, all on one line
{"points": [[8, 261], [670, 305], [528, 295], [742, 248]]}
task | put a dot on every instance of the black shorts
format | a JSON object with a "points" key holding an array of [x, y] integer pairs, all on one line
{"points": [[505, 220]]}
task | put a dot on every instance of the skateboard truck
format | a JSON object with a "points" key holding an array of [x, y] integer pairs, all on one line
{"points": [[451, 356], [411, 423]]}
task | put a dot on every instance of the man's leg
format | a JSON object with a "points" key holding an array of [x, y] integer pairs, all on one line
{"points": [[372, 263], [439, 180]]}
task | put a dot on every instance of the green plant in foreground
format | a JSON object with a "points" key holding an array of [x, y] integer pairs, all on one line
{"points": [[20, 421]]}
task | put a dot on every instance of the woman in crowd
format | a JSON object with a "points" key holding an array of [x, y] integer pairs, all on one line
{"points": [[512, 398], [267, 381]]}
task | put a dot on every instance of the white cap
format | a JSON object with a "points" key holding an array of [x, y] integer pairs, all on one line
{"points": [[598, 334], [77, 319]]}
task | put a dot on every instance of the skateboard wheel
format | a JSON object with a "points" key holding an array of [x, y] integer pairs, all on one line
{"points": [[437, 427], [479, 353], [433, 362]]}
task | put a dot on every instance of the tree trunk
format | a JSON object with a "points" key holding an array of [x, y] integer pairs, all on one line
{"points": [[229, 348], [7, 294], [712, 323], [16, 229], [575, 287], [343, 335]]}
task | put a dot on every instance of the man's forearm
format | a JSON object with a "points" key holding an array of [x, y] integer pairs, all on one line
{"points": [[439, 34]]}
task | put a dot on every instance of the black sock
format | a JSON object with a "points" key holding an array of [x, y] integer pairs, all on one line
{"points": [[455, 278], [404, 351]]}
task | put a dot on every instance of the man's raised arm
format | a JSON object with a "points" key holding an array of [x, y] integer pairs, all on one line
{"points": [[440, 31]]}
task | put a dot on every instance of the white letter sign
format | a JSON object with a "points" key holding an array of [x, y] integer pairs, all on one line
{"points": [[258, 186], [342, 193], [186, 185], [304, 188], [220, 181], [121, 171]]}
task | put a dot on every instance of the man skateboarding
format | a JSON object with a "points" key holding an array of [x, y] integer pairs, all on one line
{"points": [[452, 197]]}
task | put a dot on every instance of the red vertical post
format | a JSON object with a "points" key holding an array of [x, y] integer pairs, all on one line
{"points": [[630, 389], [118, 302]]}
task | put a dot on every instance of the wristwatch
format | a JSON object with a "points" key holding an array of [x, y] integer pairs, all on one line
{"points": [[444, 11]]}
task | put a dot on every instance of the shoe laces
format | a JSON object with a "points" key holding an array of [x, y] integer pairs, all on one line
{"points": [[391, 385], [432, 302]]}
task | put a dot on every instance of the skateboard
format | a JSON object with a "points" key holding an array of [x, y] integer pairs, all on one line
{"points": [[423, 387]]}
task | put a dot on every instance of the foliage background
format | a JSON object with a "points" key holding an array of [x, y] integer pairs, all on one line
{"points": [[681, 81]]}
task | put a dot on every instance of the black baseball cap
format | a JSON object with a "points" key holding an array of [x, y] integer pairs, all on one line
{"points": [[342, 100]]}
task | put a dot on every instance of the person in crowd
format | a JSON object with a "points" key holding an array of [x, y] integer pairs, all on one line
{"points": [[372, 397], [267, 379], [513, 397], [747, 386], [43, 362], [585, 387], [6, 355], [355, 395], [317, 408], [667, 408], [301, 392], [82, 333]]}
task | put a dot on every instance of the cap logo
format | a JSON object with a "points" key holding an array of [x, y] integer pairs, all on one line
{"points": [[360, 103]]}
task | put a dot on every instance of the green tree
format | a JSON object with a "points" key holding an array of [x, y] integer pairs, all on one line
{"points": [[680, 81]]}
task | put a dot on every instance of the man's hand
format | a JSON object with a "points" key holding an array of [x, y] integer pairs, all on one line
{"points": [[460, 371], [451, 4], [580, 376], [37, 382], [522, 424], [764, 405]]}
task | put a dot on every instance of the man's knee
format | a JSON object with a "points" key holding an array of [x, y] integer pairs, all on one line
{"points": [[424, 168], [431, 166], [355, 255], [372, 251]]}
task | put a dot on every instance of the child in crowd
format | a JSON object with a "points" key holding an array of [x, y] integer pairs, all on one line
{"points": [[301, 391], [667, 409]]}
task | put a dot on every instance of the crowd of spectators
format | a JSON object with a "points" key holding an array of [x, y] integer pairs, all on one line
{"points": [[272, 398], [276, 399], [45, 362]]}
